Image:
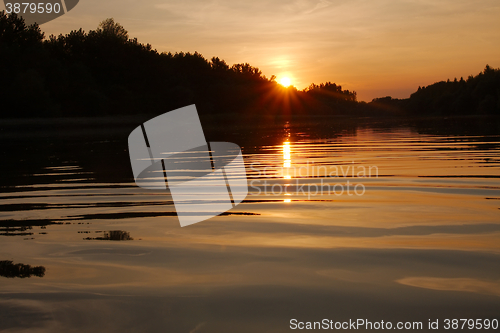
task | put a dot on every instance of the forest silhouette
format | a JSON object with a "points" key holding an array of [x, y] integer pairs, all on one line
{"points": [[104, 72]]}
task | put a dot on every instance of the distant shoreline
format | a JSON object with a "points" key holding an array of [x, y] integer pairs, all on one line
{"points": [[111, 126]]}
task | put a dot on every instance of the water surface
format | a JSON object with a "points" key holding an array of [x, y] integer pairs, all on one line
{"points": [[414, 234]]}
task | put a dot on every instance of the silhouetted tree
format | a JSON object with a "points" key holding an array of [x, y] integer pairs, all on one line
{"points": [[110, 28], [13, 31]]}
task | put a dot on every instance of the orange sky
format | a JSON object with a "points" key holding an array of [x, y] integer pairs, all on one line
{"points": [[376, 48]]}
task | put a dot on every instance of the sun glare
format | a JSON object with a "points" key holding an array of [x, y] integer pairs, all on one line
{"points": [[285, 82]]}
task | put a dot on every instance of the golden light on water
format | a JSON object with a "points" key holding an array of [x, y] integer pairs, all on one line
{"points": [[286, 151], [287, 161]]}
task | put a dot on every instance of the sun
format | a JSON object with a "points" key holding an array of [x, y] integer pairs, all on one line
{"points": [[285, 82]]}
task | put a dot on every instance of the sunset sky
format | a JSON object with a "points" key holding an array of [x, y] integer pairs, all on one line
{"points": [[376, 48]]}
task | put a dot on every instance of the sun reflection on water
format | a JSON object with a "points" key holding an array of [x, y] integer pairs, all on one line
{"points": [[287, 163]]}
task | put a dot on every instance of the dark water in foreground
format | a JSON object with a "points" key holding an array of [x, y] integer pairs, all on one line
{"points": [[418, 238]]}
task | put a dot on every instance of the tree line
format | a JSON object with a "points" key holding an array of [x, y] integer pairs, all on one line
{"points": [[104, 72], [478, 95]]}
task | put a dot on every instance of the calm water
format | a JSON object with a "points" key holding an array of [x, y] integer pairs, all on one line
{"points": [[393, 223]]}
